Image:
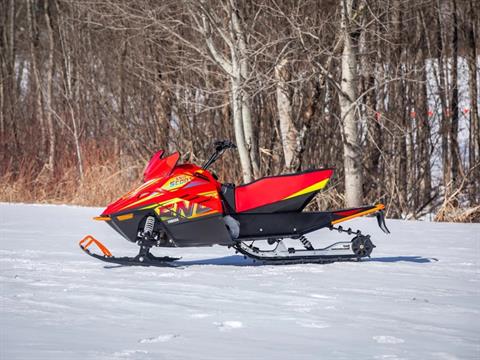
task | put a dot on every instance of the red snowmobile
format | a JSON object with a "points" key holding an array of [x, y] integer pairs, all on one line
{"points": [[181, 205]]}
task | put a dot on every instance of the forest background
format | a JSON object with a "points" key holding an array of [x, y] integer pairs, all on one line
{"points": [[385, 91]]}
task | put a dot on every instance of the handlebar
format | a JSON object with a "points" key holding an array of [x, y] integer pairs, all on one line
{"points": [[220, 147], [224, 145]]}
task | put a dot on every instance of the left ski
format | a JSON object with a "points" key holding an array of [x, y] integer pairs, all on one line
{"points": [[145, 259], [129, 261]]}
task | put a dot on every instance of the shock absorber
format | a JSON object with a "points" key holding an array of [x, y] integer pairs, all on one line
{"points": [[306, 243], [149, 225]]}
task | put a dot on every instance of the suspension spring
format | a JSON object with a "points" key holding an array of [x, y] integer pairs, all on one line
{"points": [[349, 231], [306, 243], [149, 225]]}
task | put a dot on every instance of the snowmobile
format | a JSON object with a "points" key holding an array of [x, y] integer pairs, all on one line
{"points": [[184, 205]]}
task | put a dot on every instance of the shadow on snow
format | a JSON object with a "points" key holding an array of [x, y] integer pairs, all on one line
{"points": [[414, 259], [237, 260]]}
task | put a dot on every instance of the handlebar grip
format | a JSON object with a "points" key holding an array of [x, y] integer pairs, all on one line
{"points": [[229, 144], [224, 144]]}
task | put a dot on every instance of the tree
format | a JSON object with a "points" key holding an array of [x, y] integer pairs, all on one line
{"points": [[348, 108], [289, 133]]}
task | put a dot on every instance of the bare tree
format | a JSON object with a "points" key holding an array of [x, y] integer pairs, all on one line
{"points": [[453, 130], [50, 165], [348, 109], [474, 130], [35, 74], [288, 131]]}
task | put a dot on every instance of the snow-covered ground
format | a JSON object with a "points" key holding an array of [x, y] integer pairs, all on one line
{"points": [[417, 298]]}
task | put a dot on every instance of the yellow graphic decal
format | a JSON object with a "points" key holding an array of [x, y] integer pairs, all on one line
{"points": [[143, 199], [182, 208], [143, 186], [149, 207], [176, 182], [169, 202], [315, 187], [213, 194]]}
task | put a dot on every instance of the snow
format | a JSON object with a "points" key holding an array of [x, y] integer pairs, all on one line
{"points": [[417, 298]]}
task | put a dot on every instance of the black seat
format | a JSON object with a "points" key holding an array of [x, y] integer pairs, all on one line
{"points": [[227, 192]]}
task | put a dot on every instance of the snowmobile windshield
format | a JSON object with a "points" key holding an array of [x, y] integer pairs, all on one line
{"points": [[159, 167]]}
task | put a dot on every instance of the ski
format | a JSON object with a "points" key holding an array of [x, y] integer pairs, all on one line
{"points": [[144, 258]]}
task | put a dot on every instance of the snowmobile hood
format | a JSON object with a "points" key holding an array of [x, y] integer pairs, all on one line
{"points": [[137, 196], [163, 179], [156, 173]]}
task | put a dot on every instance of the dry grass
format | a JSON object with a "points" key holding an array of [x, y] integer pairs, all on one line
{"points": [[452, 211], [106, 177], [104, 180]]}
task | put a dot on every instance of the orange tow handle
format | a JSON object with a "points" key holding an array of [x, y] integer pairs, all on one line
{"points": [[89, 239]]}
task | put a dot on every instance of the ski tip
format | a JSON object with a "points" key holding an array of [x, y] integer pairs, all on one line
{"points": [[89, 240]]}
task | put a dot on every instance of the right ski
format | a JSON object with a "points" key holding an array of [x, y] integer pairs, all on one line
{"points": [[144, 258]]}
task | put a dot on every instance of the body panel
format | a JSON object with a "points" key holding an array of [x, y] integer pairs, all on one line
{"points": [[207, 231], [273, 189]]}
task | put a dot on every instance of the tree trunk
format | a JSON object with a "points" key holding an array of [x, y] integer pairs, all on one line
{"points": [[50, 165], [474, 130], [347, 97], [367, 87], [376, 162], [236, 69], [10, 88], [289, 133], [423, 125], [3, 134], [251, 139], [454, 150], [37, 90], [442, 85], [68, 78], [239, 134]]}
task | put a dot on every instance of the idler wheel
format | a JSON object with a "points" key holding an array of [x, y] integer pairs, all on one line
{"points": [[362, 245]]}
